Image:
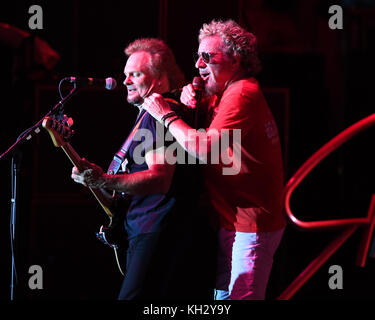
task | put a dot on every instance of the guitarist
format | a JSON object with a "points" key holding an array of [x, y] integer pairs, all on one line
{"points": [[162, 209]]}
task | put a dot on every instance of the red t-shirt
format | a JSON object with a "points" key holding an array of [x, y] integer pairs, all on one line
{"points": [[248, 196]]}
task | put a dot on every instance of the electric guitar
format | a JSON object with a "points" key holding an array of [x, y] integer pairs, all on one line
{"points": [[114, 235]]}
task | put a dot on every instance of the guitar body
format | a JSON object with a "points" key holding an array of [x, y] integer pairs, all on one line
{"points": [[114, 234]]}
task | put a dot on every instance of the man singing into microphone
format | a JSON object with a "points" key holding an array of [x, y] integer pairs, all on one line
{"points": [[163, 194], [248, 202]]}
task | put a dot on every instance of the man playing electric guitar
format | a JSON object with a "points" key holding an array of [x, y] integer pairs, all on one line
{"points": [[162, 214]]}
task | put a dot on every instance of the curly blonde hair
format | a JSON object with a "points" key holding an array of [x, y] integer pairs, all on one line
{"points": [[162, 59], [237, 42]]}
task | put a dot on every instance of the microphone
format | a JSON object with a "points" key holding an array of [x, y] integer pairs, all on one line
{"points": [[108, 83], [198, 85]]}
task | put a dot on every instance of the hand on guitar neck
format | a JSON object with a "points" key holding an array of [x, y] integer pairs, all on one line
{"points": [[88, 174], [61, 133]]}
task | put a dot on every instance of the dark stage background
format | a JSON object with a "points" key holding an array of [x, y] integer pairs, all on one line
{"points": [[317, 81]]}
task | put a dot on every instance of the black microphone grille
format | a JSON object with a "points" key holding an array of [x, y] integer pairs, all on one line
{"points": [[198, 83]]}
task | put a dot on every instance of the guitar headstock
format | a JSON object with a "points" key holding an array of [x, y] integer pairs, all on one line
{"points": [[59, 130]]}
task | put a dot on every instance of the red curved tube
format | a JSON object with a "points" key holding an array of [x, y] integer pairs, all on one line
{"points": [[311, 163], [349, 225]]}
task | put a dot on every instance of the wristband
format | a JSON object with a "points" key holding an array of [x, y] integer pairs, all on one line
{"points": [[168, 115], [174, 119]]}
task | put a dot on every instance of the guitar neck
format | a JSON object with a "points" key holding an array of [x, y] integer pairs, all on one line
{"points": [[76, 161], [73, 156]]}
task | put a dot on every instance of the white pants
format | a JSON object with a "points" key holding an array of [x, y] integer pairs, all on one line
{"points": [[244, 264]]}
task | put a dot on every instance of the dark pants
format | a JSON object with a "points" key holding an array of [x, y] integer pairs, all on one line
{"points": [[140, 268], [168, 265]]}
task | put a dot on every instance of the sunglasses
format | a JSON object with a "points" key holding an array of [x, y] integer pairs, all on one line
{"points": [[206, 56]]}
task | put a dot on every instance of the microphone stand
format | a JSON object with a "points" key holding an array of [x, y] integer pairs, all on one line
{"points": [[15, 168]]}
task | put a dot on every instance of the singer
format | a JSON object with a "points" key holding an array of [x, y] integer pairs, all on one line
{"points": [[162, 213], [248, 204]]}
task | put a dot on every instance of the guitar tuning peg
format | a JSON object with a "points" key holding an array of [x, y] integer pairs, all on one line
{"points": [[68, 120], [68, 135], [60, 128]]}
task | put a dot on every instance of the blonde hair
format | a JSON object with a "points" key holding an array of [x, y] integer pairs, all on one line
{"points": [[237, 42]]}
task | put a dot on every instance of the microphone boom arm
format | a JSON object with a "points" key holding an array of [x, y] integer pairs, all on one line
{"points": [[35, 129]]}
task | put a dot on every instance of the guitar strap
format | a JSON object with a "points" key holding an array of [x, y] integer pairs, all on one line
{"points": [[106, 233], [119, 157]]}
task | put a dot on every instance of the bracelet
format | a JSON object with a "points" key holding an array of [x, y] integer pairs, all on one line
{"points": [[174, 119], [168, 115]]}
